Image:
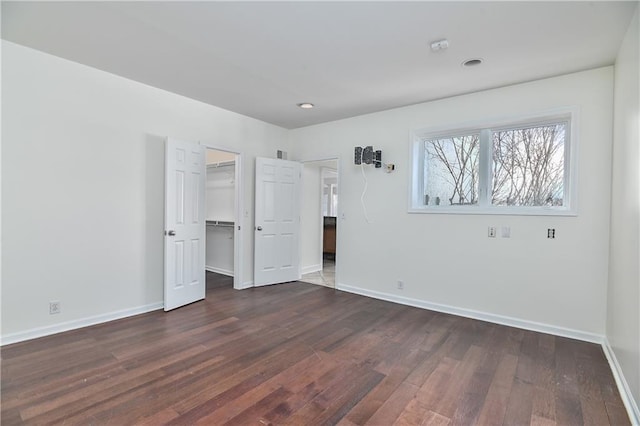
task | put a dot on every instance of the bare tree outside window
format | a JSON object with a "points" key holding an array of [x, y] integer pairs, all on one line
{"points": [[522, 168], [451, 170], [528, 166]]}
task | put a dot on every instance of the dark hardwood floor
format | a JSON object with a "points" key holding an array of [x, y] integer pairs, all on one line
{"points": [[302, 354]]}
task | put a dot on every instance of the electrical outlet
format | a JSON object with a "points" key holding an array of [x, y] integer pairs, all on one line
{"points": [[492, 232], [400, 285], [54, 308], [551, 232]]}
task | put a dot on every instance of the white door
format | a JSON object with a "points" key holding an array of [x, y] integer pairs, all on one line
{"points": [[277, 223], [184, 239]]}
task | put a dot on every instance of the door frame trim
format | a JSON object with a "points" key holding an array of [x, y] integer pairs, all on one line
{"points": [[238, 234]]}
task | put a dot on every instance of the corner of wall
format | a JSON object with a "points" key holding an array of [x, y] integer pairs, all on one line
{"points": [[622, 345], [623, 386]]}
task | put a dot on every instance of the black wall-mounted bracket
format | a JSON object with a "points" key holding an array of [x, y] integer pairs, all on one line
{"points": [[368, 155]]}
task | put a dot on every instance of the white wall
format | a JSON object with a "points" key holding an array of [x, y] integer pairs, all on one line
{"points": [[219, 250], [215, 157], [623, 322], [83, 178], [220, 191], [448, 259]]}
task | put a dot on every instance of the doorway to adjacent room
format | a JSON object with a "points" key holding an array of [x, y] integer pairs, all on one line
{"points": [[319, 222]]}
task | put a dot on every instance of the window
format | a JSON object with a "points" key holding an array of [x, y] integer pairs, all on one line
{"points": [[521, 167], [451, 168]]}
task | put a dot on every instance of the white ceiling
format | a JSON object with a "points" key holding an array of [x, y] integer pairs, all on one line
{"points": [[348, 58]]}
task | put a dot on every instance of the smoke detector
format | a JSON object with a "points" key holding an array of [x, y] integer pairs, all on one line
{"points": [[439, 45]]}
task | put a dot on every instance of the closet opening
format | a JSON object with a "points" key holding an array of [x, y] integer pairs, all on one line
{"points": [[221, 215]]}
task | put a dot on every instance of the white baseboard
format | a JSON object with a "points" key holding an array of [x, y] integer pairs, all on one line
{"points": [[311, 268], [75, 324], [220, 271], [246, 284], [483, 316], [623, 387]]}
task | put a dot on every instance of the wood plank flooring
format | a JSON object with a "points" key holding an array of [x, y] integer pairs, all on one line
{"points": [[301, 354]]}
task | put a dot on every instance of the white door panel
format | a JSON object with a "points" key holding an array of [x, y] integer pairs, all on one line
{"points": [[184, 278], [277, 226]]}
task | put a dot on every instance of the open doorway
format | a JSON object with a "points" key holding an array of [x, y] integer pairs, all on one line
{"points": [[318, 220], [221, 190]]}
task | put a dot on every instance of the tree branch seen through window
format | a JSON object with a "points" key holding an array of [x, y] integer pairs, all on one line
{"points": [[453, 174], [526, 167]]}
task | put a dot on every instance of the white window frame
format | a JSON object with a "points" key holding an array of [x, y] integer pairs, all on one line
{"points": [[485, 128]]}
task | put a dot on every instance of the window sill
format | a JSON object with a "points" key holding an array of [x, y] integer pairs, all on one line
{"points": [[497, 211]]}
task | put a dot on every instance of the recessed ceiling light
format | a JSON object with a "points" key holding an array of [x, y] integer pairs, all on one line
{"points": [[306, 105], [472, 62]]}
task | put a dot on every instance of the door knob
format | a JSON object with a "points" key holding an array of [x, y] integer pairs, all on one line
{"points": [[259, 228], [171, 233]]}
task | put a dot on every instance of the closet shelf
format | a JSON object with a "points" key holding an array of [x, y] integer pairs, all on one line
{"points": [[222, 223], [221, 164]]}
